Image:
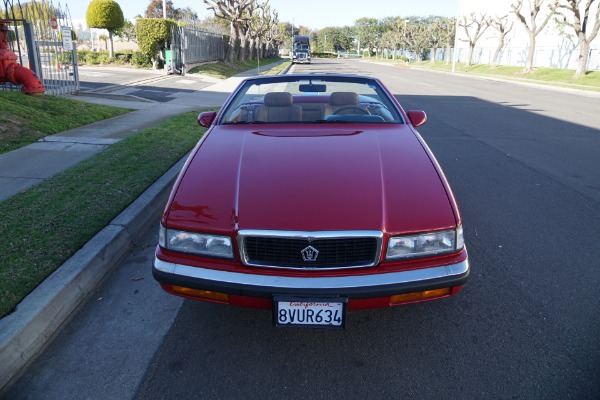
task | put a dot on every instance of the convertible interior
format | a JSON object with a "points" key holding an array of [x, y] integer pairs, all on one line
{"points": [[283, 107]]}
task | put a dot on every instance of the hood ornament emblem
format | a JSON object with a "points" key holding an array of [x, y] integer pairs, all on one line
{"points": [[310, 254]]}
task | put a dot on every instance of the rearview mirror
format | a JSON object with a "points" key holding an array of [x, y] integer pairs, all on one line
{"points": [[206, 118], [417, 117], [312, 88]]}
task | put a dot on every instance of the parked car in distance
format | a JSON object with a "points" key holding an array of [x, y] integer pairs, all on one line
{"points": [[311, 195]]}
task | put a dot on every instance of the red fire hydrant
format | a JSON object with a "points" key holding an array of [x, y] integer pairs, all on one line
{"points": [[13, 72]]}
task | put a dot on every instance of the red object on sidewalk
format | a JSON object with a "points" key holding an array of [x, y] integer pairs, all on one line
{"points": [[13, 72]]}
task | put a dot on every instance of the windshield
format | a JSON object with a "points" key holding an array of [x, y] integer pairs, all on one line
{"points": [[318, 99], [301, 47]]}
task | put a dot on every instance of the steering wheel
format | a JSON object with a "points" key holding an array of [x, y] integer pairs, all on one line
{"points": [[351, 107]]}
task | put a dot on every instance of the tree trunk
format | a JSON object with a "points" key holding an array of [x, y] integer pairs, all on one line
{"points": [[232, 43], [530, 53], [111, 52], [433, 54], [470, 55], [251, 49], [497, 52], [582, 60], [243, 44]]}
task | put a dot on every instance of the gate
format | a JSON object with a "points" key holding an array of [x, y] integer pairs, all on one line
{"points": [[39, 44]]}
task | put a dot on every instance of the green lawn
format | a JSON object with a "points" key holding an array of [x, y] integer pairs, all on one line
{"points": [[25, 119], [44, 226], [554, 76], [224, 70]]}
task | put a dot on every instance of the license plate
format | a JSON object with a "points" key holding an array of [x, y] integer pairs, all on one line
{"points": [[309, 312]]}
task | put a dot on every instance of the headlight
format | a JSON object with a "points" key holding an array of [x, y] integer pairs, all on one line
{"points": [[425, 244], [196, 243]]}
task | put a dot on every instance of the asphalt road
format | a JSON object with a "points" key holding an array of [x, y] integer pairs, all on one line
{"points": [[523, 163], [146, 84]]}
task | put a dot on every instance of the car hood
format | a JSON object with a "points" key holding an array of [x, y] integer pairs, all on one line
{"points": [[311, 178]]}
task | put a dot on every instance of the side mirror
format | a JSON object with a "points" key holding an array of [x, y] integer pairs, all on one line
{"points": [[206, 118], [417, 117]]}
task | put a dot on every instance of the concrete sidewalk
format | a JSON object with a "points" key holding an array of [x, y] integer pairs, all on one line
{"points": [[25, 332], [29, 165]]}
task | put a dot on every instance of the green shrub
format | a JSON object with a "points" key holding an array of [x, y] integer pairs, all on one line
{"points": [[139, 59], [153, 34]]}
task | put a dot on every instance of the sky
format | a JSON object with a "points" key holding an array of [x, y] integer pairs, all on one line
{"points": [[314, 14]]}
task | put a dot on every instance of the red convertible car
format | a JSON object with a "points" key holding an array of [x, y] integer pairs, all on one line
{"points": [[311, 195]]}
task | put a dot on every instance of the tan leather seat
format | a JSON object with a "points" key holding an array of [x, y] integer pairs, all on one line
{"points": [[338, 100], [278, 107]]}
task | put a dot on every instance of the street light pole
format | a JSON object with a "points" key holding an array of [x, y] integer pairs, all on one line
{"points": [[164, 9]]}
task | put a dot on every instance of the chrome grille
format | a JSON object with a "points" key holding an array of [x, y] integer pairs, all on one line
{"points": [[310, 250]]}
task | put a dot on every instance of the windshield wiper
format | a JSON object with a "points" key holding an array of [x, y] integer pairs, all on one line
{"points": [[327, 121], [244, 123]]}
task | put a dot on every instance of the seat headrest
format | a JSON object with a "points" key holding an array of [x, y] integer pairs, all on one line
{"points": [[343, 98], [279, 99]]}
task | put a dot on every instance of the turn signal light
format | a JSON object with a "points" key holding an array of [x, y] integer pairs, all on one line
{"points": [[427, 294], [200, 294]]}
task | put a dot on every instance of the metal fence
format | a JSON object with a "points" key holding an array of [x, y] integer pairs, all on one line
{"points": [[550, 57], [38, 28], [192, 46]]}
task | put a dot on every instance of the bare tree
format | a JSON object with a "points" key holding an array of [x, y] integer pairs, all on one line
{"points": [[475, 26], [581, 24], [531, 24], [436, 36], [274, 36], [500, 24], [258, 28], [236, 12], [449, 26], [415, 36]]}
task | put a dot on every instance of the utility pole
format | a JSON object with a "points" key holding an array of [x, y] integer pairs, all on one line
{"points": [[165, 9]]}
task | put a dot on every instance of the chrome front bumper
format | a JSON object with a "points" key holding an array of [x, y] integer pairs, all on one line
{"points": [[356, 286]]}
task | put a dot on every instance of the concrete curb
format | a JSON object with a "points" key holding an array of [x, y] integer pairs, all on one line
{"points": [[25, 333]]}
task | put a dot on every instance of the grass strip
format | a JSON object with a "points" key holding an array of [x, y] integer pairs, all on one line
{"points": [[550, 76], [25, 119], [44, 226], [224, 70]]}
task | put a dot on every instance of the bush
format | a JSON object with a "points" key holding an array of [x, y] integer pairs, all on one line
{"points": [[123, 58], [140, 59]]}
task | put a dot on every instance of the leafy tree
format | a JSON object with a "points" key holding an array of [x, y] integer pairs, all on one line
{"points": [[335, 38], [214, 24], [186, 14], [104, 38], [416, 36], [531, 24], [127, 32], [33, 12], [585, 28], [449, 27], [155, 9], [105, 14], [368, 32], [153, 34]]}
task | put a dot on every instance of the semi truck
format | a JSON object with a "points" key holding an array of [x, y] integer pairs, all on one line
{"points": [[301, 49]]}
